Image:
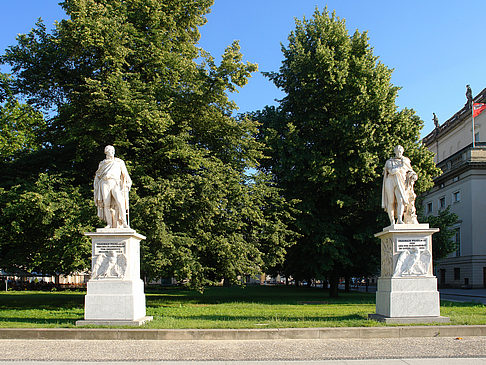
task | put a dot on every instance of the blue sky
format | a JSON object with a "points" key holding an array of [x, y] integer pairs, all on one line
{"points": [[435, 47]]}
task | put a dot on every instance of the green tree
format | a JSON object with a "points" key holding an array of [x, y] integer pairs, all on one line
{"points": [[329, 139], [42, 225], [443, 244], [20, 124], [129, 73]]}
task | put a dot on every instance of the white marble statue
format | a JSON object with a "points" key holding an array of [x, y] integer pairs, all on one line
{"points": [[398, 197], [111, 186]]}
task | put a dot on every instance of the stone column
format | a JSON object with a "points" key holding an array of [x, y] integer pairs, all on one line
{"points": [[115, 294], [407, 289]]}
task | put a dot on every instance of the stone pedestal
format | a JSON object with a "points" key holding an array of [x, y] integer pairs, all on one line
{"points": [[115, 294], [407, 289]]}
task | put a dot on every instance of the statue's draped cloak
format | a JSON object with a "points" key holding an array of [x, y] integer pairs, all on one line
{"points": [[400, 178], [104, 169]]}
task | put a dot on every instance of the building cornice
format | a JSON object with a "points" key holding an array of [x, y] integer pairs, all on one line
{"points": [[452, 122]]}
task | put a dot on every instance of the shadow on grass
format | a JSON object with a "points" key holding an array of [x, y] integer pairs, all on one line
{"points": [[41, 300], [229, 318], [255, 294], [41, 321]]}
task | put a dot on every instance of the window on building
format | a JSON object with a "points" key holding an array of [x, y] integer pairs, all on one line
{"points": [[457, 273], [456, 196], [476, 137], [457, 240], [429, 207], [442, 203], [442, 277]]}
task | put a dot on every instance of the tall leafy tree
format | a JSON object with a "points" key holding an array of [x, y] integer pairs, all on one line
{"points": [[21, 126], [329, 139], [42, 225], [443, 240], [129, 73]]}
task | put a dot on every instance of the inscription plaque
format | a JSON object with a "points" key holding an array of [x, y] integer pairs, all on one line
{"points": [[105, 247], [404, 244]]}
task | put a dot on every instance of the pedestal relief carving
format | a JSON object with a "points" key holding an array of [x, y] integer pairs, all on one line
{"points": [[413, 263], [109, 265], [387, 257]]}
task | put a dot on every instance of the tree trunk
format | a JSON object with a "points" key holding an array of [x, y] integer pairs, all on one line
{"points": [[333, 288], [347, 283], [324, 284]]}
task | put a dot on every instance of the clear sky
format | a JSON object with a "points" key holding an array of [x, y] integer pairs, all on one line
{"points": [[435, 47]]}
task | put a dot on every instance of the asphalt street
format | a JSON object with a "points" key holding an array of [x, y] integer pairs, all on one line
{"points": [[464, 295], [455, 295], [267, 351]]}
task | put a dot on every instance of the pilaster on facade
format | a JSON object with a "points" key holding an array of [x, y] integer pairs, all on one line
{"points": [[462, 188]]}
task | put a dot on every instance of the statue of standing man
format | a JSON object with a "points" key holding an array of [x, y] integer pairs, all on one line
{"points": [[111, 186], [398, 197]]}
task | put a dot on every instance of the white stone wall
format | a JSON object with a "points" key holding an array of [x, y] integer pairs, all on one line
{"points": [[459, 137]]}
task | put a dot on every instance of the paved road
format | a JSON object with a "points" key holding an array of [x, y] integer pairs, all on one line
{"points": [[464, 295], [268, 351], [456, 295]]}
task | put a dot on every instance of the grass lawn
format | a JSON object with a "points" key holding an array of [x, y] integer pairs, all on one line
{"points": [[217, 307]]}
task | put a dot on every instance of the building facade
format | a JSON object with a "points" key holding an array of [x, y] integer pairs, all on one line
{"points": [[462, 187]]}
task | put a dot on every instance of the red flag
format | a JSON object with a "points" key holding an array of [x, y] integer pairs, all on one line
{"points": [[478, 108]]}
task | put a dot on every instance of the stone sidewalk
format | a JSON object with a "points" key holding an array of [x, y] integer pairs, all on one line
{"points": [[242, 334], [431, 361], [341, 351]]}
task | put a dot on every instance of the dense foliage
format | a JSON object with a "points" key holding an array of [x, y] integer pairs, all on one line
{"points": [[443, 242], [129, 73], [329, 139]]}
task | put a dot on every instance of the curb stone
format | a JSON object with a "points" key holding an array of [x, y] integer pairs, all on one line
{"points": [[241, 334]]}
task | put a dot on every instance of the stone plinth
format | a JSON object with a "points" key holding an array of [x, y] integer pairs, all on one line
{"points": [[407, 289], [115, 294]]}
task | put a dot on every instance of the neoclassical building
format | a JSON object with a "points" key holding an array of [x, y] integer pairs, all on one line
{"points": [[462, 186]]}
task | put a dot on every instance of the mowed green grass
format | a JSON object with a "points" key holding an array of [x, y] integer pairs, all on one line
{"points": [[217, 307]]}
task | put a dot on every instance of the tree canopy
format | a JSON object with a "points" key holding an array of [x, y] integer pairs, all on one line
{"points": [[329, 138], [130, 73]]}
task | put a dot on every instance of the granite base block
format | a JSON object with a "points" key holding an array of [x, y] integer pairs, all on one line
{"points": [[114, 300], [111, 322], [408, 297], [408, 320]]}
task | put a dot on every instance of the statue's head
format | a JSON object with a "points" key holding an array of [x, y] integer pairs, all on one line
{"points": [[398, 151], [110, 150]]}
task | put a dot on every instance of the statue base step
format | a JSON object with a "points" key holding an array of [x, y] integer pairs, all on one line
{"points": [[408, 320], [111, 322], [408, 297], [118, 300]]}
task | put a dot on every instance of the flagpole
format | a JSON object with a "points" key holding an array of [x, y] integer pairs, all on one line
{"points": [[470, 100], [472, 116]]}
